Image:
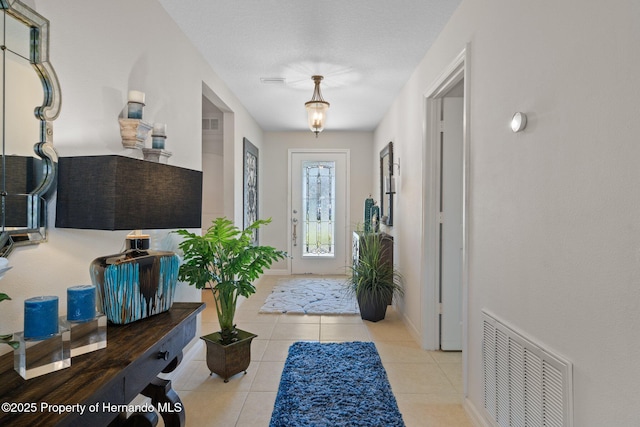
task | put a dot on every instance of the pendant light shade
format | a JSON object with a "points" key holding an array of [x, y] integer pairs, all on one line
{"points": [[317, 108]]}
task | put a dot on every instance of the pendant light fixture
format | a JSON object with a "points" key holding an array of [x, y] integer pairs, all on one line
{"points": [[317, 108]]}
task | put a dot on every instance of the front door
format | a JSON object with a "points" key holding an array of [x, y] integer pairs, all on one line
{"points": [[318, 211]]}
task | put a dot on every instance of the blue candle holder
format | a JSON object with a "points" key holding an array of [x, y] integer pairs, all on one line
{"points": [[134, 110], [158, 141], [81, 303], [40, 317], [88, 328]]}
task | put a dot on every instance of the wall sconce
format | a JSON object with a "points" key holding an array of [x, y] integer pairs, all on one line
{"points": [[518, 122], [389, 185], [390, 181], [317, 108]]}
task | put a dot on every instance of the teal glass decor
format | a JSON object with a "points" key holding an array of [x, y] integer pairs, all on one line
{"points": [[136, 283], [375, 218], [368, 203]]}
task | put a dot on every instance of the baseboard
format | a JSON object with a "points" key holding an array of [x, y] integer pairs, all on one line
{"points": [[277, 272], [476, 418], [412, 328]]}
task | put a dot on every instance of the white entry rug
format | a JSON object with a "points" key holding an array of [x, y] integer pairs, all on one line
{"points": [[311, 295]]}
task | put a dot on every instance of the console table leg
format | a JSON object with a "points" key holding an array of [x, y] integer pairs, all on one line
{"points": [[144, 419], [167, 401], [173, 364]]}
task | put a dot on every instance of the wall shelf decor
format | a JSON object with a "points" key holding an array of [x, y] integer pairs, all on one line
{"points": [[157, 155], [134, 132]]}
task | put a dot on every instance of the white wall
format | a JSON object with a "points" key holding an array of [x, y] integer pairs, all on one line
{"points": [[100, 50], [554, 213], [274, 182]]}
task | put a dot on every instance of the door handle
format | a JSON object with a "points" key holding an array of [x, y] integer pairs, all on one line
{"points": [[294, 236]]}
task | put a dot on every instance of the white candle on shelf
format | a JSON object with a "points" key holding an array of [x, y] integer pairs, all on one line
{"points": [[136, 96], [160, 129]]}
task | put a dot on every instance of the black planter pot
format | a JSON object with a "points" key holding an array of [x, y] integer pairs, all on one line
{"points": [[371, 309], [228, 360]]}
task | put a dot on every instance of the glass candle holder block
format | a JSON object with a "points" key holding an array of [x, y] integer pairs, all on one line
{"points": [[38, 357], [157, 141], [134, 110], [86, 336]]}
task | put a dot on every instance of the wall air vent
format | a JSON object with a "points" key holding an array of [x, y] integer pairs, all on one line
{"points": [[210, 124], [525, 385]]}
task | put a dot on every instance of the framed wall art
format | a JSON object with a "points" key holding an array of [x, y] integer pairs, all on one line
{"points": [[250, 204]]}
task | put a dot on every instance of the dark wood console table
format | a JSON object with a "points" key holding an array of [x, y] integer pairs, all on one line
{"points": [[136, 353]]}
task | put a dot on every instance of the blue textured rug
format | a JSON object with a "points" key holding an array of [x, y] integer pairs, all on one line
{"points": [[334, 384]]}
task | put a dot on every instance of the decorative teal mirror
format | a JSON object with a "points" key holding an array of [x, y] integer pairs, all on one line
{"points": [[31, 101]]}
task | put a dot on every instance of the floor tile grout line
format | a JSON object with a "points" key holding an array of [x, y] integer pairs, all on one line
{"points": [[241, 408]]}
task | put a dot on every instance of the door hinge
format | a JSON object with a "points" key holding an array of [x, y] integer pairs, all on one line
{"points": [[440, 308], [441, 126], [441, 217]]}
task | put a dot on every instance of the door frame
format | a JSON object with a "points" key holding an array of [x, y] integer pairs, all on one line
{"points": [[347, 208], [456, 71]]}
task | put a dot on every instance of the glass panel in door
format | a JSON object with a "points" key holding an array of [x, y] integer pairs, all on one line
{"points": [[318, 199]]}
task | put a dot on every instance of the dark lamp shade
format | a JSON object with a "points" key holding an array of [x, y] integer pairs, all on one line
{"points": [[121, 193]]}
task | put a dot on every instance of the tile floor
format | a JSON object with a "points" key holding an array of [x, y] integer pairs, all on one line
{"points": [[427, 384]]}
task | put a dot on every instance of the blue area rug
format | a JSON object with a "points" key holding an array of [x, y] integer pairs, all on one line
{"points": [[334, 384]]}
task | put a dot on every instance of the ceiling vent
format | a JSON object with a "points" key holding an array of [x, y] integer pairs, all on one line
{"points": [[273, 80]]}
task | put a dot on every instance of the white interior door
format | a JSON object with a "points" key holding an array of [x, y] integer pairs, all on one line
{"points": [[318, 211], [451, 224]]}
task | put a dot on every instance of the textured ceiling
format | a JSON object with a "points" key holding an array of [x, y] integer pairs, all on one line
{"points": [[366, 50]]}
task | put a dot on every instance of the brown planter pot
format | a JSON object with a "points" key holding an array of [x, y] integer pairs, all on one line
{"points": [[231, 359]]}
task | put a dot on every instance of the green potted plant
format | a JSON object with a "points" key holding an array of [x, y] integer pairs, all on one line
{"points": [[373, 279], [8, 339], [225, 260]]}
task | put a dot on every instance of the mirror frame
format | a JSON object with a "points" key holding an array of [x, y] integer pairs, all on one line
{"points": [[35, 232], [386, 198]]}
